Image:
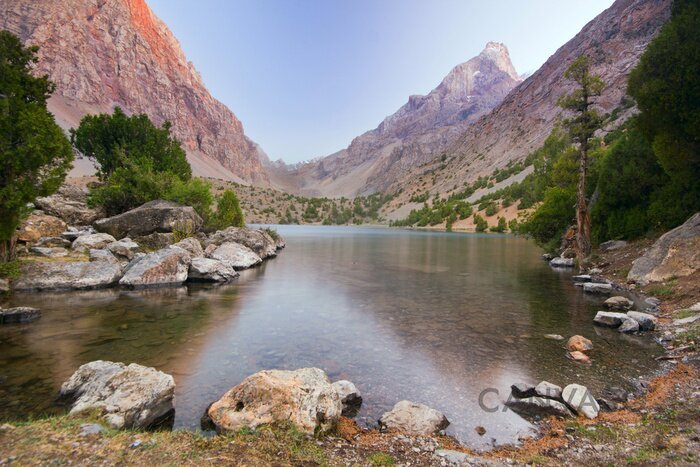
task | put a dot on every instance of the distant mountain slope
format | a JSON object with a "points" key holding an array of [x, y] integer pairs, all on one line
{"points": [[423, 127], [614, 41], [104, 53]]}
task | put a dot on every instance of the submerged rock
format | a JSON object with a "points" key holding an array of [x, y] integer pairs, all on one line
{"points": [[350, 397], [16, 315], [168, 266], [581, 399], [40, 275], [129, 397], [579, 356], [152, 217], [579, 343], [304, 397], [234, 255], [210, 270], [618, 303], [539, 407], [413, 418], [609, 318], [597, 288]]}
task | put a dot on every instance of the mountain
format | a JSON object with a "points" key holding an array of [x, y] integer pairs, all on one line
{"points": [[423, 127], [107, 53], [614, 41]]}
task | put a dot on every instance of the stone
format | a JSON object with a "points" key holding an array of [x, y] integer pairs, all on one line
{"points": [[69, 203], [350, 397], [192, 246], [615, 393], [618, 303], [695, 307], [522, 390], [92, 242], [581, 399], [54, 242], [560, 262], [39, 225], [49, 252], [547, 257], [124, 249], [258, 241], [539, 407], [628, 325], [128, 397], [235, 255], [554, 337], [579, 356], [39, 275], [609, 318], [579, 343], [152, 217], [304, 397], [87, 429], [582, 278], [646, 321], [652, 301], [414, 419], [452, 457], [104, 255], [210, 270], [606, 405], [597, 288], [155, 241], [4, 285], [16, 315], [675, 254], [686, 320], [168, 266], [612, 245], [548, 390]]}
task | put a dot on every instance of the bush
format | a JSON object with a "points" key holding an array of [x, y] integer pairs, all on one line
{"points": [[500, 227], [551, 219], [228, 212], [481, 224]]}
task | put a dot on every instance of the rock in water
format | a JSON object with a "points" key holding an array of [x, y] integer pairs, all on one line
{"points": [[38, 275], [168, 266], [210, 270], [596, 288], [152, 217], [129, 397], [539, 407], [618, 303], [579, 343], [548, 390], [581, 399], [582, 278], [235, 255], [522, 390], [349, 396], [92, 242], [257, 240], [579, 357], [304, 397], [22, 314], [416, 419], [675, 254], [560, 262], [646, 321], [609, 318], [628, 326]]}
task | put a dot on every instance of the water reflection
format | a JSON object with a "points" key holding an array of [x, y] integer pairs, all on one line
{"points": [[431, 317]]}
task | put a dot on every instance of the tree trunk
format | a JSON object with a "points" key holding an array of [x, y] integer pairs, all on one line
{"points": [[583, 221], [8, 249]]}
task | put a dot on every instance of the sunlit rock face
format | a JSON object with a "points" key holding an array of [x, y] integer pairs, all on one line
{"points": [[106, 53]]}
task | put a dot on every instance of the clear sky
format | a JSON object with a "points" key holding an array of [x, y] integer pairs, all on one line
{"points": [[307, 76]]}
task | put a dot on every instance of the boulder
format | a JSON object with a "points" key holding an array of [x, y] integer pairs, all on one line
{"points": [[612, 245], [579, 356], [616, 393], [560, 262], [257, 240], [350, 397], [156, 241], [129, 397], [539, 407], [49, 252], [124, 249], [581, 399], [104, 255], [39, 225], [39, 275], [628, 326], [210, 270], [92, 242], [168, 266], [414, 419], [522, 390], [618, 303], [675, 254], [69, 203], [579, 344], [233, 254], [597, 288], [154, 216], [192, 246], [303, 397], [549, 390], [609, 318], [646, 321], [22, 314], [53, 242], [582, 278]]}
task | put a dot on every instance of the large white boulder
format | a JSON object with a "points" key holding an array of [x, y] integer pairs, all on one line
{"points": [[168, 266], [413, 418], [233, 254], [39, 275], [210, 270], [581, 399], [257, 240]]}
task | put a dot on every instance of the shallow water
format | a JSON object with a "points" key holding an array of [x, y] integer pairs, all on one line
{"points": [[435, 318]]}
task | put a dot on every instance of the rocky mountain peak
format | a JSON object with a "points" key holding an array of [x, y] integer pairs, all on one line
{"points": [[497, 52]]}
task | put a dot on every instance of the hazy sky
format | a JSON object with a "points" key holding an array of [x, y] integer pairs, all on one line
{"points": [[307, 76]]}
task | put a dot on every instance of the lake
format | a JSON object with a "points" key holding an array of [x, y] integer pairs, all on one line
{"points": [[432, 317]]}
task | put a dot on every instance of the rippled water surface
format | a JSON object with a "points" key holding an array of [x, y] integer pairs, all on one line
{"points": [[435, 318]]}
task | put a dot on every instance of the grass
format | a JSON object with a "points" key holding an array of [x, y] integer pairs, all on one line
{"points": [[643, 455], [685, 314], [663, 290], [272, 233], [9, 270], [380, 459], [601, 433]]}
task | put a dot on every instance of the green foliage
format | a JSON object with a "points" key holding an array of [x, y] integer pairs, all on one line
{"points": [[380, 459], [549, 222], [228, 212], [480, 222], [183, 230], [500, 227], [272, 233], [9, 270], [196, 193], [35, 155]]}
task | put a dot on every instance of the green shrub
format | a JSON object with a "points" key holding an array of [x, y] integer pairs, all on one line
{"points": [[481, 224], [500, 227], [228, 212], [551, 219]]}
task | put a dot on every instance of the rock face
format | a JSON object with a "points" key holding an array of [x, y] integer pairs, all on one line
{"points": [[581, 399], [69, 203], [257, 240], [152, 217], [675, 254], [210, 270], [168, 266], [421, 129], [304, 397], [39, 225], [234, 255], [106, 53], [417, 419], [38, 275], [130, 397]]}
